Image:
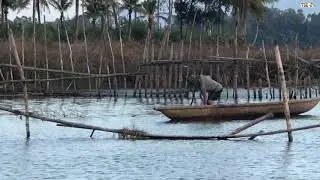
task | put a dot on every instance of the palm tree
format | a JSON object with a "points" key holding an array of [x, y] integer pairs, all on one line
{"points": [[130, 5], [149, 8], [12, 5], [97, 9], [62, 6], [44, 4]]}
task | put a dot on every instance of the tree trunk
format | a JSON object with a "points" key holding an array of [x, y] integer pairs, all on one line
{"points": [[77, 20], [129, 24], [115, 16], [38, 11], [103, 24]]}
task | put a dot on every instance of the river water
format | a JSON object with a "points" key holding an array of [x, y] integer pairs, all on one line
{"points": [[66, 153]]}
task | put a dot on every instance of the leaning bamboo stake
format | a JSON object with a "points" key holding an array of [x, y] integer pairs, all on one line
{"points": [[46, 52], [113, 65], [10, 62], [252, 123], [61, 60], [25, 92], [86, 49], [3, 79], [266, 68], [70, 56], [285, 95]]}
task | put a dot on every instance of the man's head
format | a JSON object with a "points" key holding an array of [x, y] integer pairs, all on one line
{"points": [[193, 80]]}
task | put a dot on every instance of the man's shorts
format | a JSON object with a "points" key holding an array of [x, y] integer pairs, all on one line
{"points": [[214, 95]]}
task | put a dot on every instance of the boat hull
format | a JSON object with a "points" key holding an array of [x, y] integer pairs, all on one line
{"points": [[235, 112]]}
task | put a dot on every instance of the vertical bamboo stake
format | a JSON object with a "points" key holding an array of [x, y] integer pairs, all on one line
{"points": [[86, 50], [100, 68], [22, 45], [34, 52], [266, 68], [305, 88], [164, 79], [260, 89], [61, 60], [285, 95], [113, 64], [109, 80], [310, 86], [157, 81], [25, 92], [170, 69], [46, 52], [296, 79], [123, 64], [235, 63]]}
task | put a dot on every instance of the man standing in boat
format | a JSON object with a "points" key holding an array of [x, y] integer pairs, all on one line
{"points": [[210, 90]]}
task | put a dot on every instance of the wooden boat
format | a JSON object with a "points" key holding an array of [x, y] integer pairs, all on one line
{"points": [[235, 111]]}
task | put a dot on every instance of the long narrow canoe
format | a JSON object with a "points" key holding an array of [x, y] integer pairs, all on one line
{"points": [[235, 111]]}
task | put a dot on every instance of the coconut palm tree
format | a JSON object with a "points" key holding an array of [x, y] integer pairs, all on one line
{"points": [[148, 9], [62, 6], [41, 3], [130, 5], [12, 5], [97, 9]]}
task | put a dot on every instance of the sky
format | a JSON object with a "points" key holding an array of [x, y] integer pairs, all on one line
{"points": [[53, 14]]}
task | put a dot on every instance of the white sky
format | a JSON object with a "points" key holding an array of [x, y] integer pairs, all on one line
{"points": [[54, 14]]}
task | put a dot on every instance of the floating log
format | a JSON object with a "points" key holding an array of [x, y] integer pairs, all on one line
{"points": [[252, 123]]}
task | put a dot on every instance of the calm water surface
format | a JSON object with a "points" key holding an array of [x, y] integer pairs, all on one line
{"points": [[65, 153]]}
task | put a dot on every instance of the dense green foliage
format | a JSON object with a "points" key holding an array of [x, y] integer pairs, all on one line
{"points": [[99, 16]]}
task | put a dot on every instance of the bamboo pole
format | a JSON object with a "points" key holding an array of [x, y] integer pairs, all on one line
{"points": [[22, 45], [157, 80], [170, 69], [61, 59], [266, 68], [86, 48], [113, 65], [10, 62], [46, 52], [25, 91], [285, 95], [34, 49], [235, 65], [3, 79], [123, 63], [70, 57], [164, 80], [109, 80], [260, 89], [252, 123], [296, 80], [100, 68]]}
